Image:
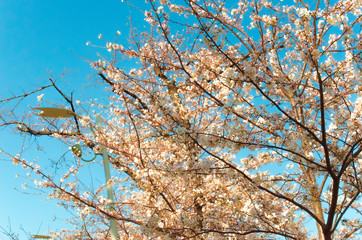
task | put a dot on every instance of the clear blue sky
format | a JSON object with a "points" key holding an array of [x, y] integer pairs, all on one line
{"points": [[37, 36]]}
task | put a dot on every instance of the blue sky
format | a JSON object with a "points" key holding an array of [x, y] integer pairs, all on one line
{"points": [[38, 37]]}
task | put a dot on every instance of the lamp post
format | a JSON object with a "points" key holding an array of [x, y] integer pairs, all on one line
{"points": [[65, 113]]}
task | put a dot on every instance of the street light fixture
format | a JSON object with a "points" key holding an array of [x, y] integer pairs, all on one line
{"points": [[65, 113]]}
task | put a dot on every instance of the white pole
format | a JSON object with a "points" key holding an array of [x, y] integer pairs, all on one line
{"points": [[110, 196]]}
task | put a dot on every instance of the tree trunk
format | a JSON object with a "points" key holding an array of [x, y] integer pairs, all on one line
{"points": [[316, 203], [318, 211]]}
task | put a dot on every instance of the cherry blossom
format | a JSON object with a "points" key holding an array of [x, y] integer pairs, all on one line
{"points": [[236, 120]]}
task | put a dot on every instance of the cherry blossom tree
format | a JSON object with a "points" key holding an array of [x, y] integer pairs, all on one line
{"points": [[231, 120]]}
